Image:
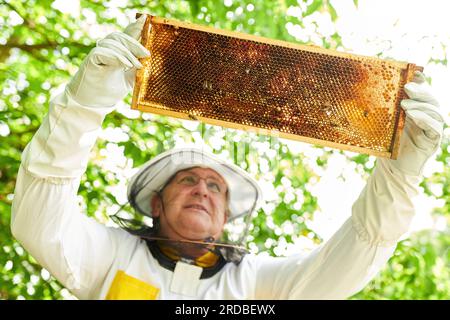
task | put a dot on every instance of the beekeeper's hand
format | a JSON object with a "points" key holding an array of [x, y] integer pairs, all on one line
{"points": [[423, 128], [107, 74]]}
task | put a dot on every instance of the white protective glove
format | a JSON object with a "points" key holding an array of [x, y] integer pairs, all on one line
{"points": [[423, 128], [107, 74]]}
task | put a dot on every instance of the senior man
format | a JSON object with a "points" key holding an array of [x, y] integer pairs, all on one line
{"points": [[192, 196]]}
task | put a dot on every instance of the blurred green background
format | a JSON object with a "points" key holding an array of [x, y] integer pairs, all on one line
{"points": [[42, 43]]}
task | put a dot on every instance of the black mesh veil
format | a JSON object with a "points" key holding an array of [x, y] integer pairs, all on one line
{"points": [[147, 183]]}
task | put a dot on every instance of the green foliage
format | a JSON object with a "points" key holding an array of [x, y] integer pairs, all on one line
{"points": [[417, 271], [43, 46], [438, 184]]}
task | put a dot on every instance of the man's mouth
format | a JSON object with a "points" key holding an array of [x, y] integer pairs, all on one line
{"points": [[197, 206]]}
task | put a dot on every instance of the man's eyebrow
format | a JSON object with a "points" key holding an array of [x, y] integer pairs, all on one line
{"points": [[218, 178]]}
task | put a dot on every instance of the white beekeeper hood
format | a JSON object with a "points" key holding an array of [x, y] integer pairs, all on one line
{"points": [[244, 192]]}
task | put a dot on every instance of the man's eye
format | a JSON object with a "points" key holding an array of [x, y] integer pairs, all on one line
{"points": [[214, 187], [188, 180]]}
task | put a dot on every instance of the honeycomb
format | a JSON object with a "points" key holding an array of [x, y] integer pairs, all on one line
{"points": [[293, 91]]}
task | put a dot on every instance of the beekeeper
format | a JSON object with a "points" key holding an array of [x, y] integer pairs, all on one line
{"points": [[192, 196]]}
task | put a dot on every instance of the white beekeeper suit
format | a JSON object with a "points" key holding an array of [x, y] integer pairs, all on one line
{"points": [[99, 262]]}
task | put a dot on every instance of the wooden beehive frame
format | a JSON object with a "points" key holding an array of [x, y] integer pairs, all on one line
{"points": [[408, 70]]}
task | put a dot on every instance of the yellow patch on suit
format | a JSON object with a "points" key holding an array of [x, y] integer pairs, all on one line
{"points": [[125, 287]]}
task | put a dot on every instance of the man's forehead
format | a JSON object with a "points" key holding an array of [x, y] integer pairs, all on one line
{"points": [[205, 172]]}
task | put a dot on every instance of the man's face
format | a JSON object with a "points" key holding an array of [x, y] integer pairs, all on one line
{"points": [[193, 205]]}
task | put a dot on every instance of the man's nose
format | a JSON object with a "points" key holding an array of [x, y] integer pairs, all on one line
{"points": [[201, 189]]}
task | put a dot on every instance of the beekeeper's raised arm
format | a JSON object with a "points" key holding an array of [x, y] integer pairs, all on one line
{"points": [[46, 217]]}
